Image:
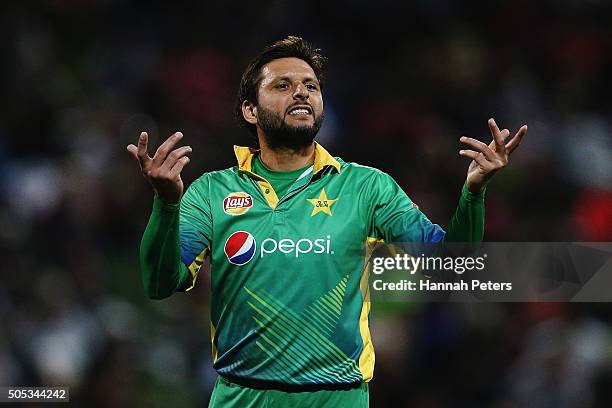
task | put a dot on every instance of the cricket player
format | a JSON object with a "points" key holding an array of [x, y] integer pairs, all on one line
{"points": [[286, 230]]}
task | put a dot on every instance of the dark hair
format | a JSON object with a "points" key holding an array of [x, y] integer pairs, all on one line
{"points": [[286, 48]]}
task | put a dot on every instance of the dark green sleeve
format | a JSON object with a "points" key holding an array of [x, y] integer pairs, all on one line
{"points": [[467, 223], [163, 272], [395, 218]]}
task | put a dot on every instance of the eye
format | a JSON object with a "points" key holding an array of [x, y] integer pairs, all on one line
{"points": [[282, 85], [311, 87]]}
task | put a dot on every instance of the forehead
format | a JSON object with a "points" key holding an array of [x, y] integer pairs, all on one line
{"points": [[287, 68]]}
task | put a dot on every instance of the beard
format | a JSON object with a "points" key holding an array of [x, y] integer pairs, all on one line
{"points": [[279, 135]]}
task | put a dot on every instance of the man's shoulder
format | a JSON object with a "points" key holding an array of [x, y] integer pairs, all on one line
{"points": [[215, 176], [366, 177], [360, 170], [230, 172]]}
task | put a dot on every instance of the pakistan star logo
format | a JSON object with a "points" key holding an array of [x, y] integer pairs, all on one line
{"points": [[321, 204]]}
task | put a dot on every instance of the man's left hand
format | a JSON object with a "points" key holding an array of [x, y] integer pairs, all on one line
{"points": [[488, 160]]}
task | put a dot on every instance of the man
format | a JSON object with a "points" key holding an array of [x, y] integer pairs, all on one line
{"points": [[286, 230]]}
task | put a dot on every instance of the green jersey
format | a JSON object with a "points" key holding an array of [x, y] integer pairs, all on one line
{"points": [[289, 285], [288, 282]]}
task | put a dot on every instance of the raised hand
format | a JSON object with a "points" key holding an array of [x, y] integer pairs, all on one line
{"points": [[489, 159], [163, 170]]}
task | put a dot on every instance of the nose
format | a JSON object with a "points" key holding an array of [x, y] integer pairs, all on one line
{"points": [[301, 92]]}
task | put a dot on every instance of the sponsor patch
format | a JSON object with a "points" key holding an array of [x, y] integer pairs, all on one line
{"points": [[240, 247], [237, 203]]}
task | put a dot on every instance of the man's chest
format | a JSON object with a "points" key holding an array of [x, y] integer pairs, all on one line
{"points": [[317, 217]]}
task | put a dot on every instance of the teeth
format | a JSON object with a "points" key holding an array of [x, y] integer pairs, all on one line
{"points": [[299, 111]]}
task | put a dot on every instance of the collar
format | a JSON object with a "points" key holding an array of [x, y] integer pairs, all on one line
{"points": [[322, 159]]}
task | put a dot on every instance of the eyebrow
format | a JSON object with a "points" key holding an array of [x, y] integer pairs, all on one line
{"points": [[304, 79]]}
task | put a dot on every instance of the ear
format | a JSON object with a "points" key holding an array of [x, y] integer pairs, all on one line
{"points": [[249, 112]]}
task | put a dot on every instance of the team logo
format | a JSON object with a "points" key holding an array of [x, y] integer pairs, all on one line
{"points": [[240, 247], [321, 204], [237, 203]]}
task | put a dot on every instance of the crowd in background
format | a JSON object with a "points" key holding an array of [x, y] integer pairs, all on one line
{"points": [[80, 80]]}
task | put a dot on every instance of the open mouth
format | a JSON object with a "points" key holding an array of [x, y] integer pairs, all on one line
{"points": [[300, 110]]}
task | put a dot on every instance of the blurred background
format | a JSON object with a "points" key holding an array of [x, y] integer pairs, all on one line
{"points": [[80, 80]]}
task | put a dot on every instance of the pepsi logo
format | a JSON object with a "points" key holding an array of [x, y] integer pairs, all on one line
{"points": [[237, 203], [240, 247]]}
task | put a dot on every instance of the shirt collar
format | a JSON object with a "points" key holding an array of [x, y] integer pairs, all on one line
{"points": [[322, 159]]}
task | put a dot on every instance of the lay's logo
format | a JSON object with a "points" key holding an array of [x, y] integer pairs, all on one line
{"points": [[237, 203]]}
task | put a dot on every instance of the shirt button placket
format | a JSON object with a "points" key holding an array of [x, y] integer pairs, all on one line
{"points": [[279, 218]]}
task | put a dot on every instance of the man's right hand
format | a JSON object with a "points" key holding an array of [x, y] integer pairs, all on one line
{"points": [[163, 170]]}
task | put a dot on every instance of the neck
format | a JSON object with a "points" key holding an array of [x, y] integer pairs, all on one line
{"points": [[285, 159]]}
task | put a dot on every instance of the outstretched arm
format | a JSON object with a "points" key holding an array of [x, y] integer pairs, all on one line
{"points": [[160, 253]]}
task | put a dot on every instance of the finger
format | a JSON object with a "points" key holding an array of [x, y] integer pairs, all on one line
{"points": [[140, 152], [173, 157], [133, 151], [497, 136], [504, 134], [493, 145], [143, 141], [516, 140], [165, 148], [477, 157], [479, 146], [178, 167]]}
